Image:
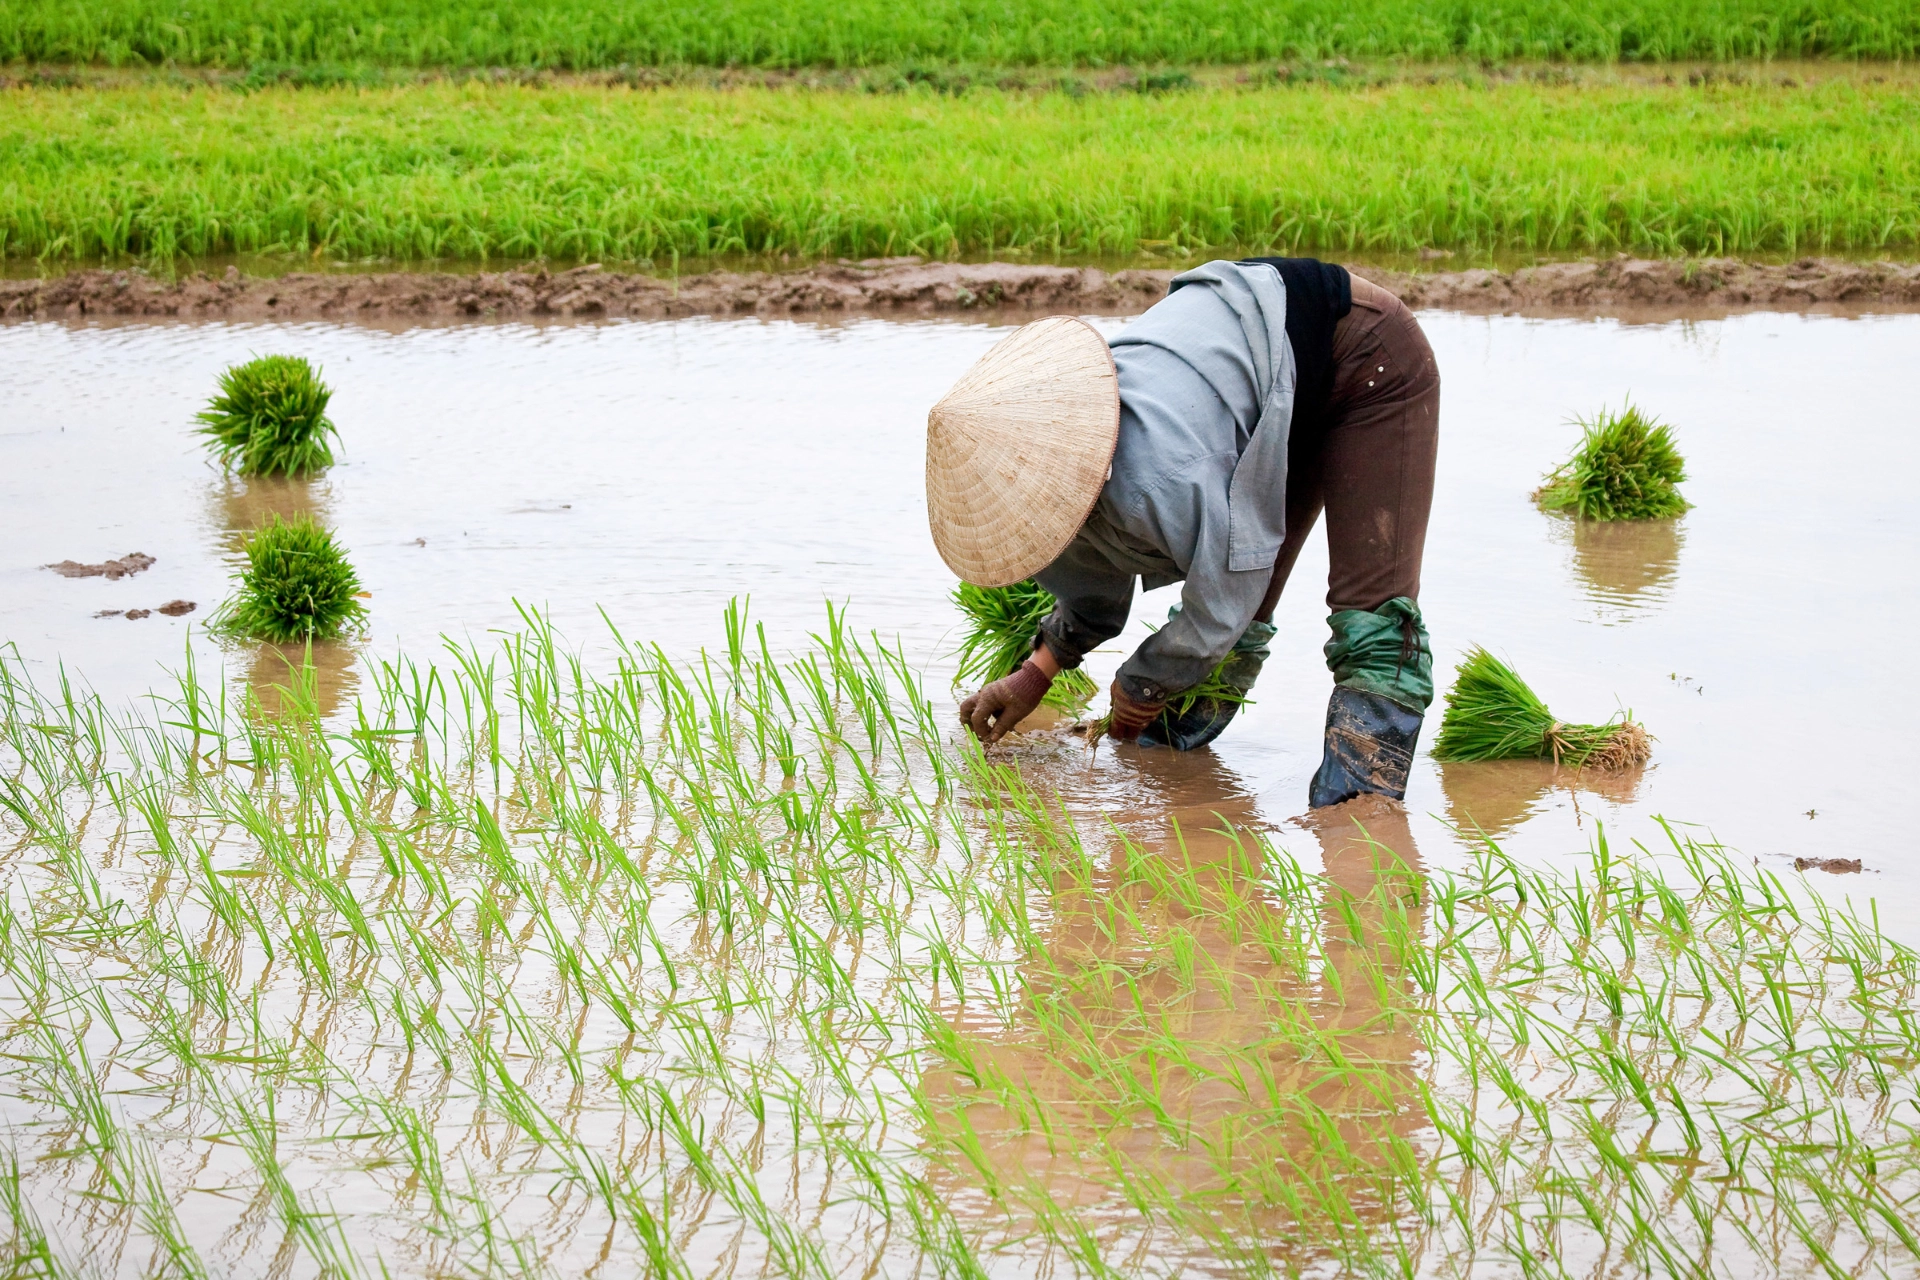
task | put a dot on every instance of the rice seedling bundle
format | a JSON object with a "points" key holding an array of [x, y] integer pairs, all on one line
{"points": [[1002, 623], [1492, 714], [270, 418], [1626, 468], [297, 586]]}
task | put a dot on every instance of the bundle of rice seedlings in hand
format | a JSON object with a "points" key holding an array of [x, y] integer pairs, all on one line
{"points": [[297, 586], [1492, 715], [1215, 685], [1002, 622], [270, 418], [1626, 468]]}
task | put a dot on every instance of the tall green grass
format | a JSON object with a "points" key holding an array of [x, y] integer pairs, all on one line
{"points": [[475, 171], [796, 33]]}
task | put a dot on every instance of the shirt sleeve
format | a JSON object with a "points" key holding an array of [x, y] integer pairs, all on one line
{"points": [[1216, 603], [1093, 598]]}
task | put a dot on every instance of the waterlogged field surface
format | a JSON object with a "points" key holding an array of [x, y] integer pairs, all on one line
{"points": [[465, 956]]}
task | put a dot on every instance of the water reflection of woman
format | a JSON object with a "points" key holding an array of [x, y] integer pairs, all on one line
{"points": [[1250, 1077]]}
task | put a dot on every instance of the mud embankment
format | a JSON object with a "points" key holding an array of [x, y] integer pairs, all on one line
{"points": [[908, 286]]}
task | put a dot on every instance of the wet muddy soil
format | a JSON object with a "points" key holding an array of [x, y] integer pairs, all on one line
{"points": [[909, 286], [112, 570], [658, 468]]}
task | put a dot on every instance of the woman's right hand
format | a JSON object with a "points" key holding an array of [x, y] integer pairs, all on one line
{"points": [[1128, 718]]}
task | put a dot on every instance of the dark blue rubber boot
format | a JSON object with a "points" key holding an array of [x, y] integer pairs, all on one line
{"points": [[1198, 725], [1369, 747]]}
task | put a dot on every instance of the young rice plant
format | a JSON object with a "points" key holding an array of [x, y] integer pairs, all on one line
{"points": [[1493, 715], [1626, 468], [297, 586], [746, 962], [1002, 623], [270, 418]]}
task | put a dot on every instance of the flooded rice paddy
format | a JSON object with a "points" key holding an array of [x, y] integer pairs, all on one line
{"points": [[456, 956]]}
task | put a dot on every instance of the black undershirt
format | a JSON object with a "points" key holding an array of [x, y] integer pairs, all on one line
{"points": [[1319, 295]]}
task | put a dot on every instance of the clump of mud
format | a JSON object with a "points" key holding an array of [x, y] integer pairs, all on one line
{"points": [[171, 609], [112, 570], [911, 286], [1832, 866]]}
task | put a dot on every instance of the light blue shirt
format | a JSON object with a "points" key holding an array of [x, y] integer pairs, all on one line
{"points": [[1199, 481]]}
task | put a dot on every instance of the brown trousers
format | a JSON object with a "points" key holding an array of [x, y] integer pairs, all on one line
{"points": [[1371, 466]]}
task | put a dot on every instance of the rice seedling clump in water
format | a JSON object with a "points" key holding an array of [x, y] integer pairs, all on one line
{"points": [[1493, 715], [1626, 468], [270, 418], [1002, 622], [297, 586]]}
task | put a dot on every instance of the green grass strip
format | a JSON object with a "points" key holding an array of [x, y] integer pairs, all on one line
{"points": [[476, 171], [573, 34]]}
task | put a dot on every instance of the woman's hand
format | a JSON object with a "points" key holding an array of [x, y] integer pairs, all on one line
{"points": [[995, 710], [1127, 717]]}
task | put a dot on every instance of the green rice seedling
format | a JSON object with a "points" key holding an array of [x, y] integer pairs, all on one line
{"points": [[270, 418], [731, 1011], [1626, 468], [940, 44], [1214, 685], [297, 587], [1002, 623], [1492, 714]]}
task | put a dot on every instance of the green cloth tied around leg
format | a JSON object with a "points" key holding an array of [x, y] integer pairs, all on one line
{"points": [[1200, 715], [1384, 652], [1383, 683]]}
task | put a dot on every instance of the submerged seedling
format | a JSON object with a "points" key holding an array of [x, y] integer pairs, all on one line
{"points": [[270, 418], [1003, 622], [1492, 714], [297, 586], [1626, 468]]}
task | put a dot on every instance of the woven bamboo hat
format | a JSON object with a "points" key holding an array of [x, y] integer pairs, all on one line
{"points": [[1017, 452]]}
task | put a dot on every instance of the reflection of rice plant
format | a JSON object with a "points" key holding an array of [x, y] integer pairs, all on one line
{"points": [[1003, 623], [1492, 715], [270, 418], [297, 586], [1626, 468], [549, 877]]}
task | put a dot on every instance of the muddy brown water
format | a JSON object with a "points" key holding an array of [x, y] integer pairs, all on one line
{"points": [[658, 468]]}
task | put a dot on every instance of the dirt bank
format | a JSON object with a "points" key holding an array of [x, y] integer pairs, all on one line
{"points": [[909, 286]]}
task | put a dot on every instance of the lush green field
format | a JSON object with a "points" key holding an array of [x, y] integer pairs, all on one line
{"points": [[790, 33], [472, 171]]}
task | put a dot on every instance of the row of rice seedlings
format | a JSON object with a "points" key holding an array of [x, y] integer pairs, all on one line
{"points": [[1002, 625], [342, 45], [1492, 714], [424, 172], [737, 963]]}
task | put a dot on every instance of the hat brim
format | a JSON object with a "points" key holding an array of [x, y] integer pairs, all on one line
{"points": [[1019, 450]]}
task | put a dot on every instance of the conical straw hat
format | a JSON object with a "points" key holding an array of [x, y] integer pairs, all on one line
{"points": [[1017, 452]]}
